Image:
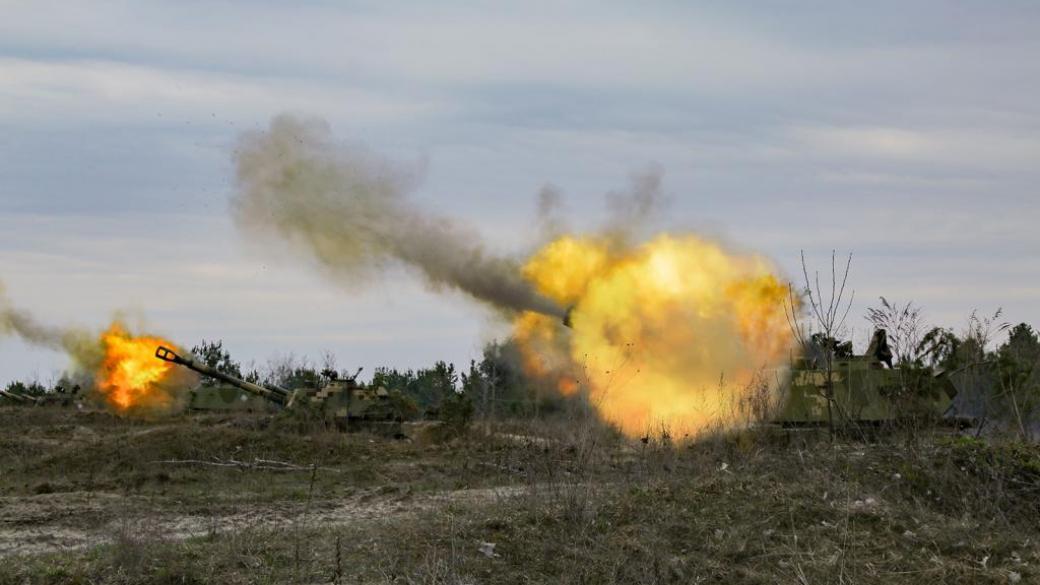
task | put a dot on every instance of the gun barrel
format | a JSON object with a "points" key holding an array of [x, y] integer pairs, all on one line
{"points": [[275, 394], [17, 397]]}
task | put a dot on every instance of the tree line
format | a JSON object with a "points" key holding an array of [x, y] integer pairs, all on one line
{"points": [[1003, 378]]}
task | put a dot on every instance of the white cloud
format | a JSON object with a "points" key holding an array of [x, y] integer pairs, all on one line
{"points": [[42, 92], [654, 47], [552, 43], [986, 148], [882, 142]]}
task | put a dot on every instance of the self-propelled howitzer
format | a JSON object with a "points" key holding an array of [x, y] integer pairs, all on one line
{"points": [[279, 396], [342, 401]]}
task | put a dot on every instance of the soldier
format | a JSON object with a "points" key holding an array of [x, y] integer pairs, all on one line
{"points": [[879, 348]]}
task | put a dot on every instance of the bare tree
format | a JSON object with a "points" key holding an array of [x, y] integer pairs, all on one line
{"points": [[328, 367], [980, 333], [823, 321]]}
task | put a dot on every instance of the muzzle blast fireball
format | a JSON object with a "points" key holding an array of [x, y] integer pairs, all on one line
{"points": [[119, 366]]}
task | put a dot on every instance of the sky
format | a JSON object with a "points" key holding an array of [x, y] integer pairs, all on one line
{"points": [[905, 134]]}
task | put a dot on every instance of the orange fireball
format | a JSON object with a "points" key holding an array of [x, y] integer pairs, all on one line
{"points": [[670, 334], [130, 377]]}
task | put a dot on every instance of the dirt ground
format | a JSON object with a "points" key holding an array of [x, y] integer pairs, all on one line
{"points": [[86, 497], [70, 522]]}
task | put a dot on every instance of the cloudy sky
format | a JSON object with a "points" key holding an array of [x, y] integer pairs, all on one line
{"points": [[905, 134]]}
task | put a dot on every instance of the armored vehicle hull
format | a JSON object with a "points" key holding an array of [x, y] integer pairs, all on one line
{"points": [[227, 398], [863, 389]]}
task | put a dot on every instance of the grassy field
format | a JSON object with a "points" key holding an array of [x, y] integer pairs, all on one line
{"points": [[91, 498]]}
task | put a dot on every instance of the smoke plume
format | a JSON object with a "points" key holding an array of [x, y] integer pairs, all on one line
{"points": [[632, 211], [79, 344], [350, 211], [549, 209]]}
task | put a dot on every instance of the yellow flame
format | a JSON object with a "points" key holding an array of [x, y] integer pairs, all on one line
{"points": [[670, 335], [130, 376]]}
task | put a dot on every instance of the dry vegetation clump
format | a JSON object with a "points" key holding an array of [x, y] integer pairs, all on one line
{"points": [[538, 503], [54, 450]]}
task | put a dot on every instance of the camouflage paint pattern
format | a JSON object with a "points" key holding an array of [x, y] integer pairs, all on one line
{"points": [[862, 388]]}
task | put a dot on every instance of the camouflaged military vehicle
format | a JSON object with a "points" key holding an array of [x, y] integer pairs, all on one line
{"points": [[343, 402], [59, 396], [864, 388]]}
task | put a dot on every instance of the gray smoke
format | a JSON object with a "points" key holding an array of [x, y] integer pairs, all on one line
{"points": [[79, 344], [634, 210], [350, 211], [549, 216]]}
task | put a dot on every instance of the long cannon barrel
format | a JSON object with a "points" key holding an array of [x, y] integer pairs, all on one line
{"points": [[274, 394], [17, 397]]}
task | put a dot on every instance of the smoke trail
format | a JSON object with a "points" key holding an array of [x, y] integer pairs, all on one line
{"points": [[349, 210], [79, 344]]}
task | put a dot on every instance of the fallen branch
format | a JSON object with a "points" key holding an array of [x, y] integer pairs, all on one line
{"points": [[254, 465]]}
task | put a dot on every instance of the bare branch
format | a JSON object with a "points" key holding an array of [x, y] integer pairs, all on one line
{"points": [[255, 465]]}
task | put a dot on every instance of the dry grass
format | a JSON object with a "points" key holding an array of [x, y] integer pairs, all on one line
{"points": [[562, 503]]}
